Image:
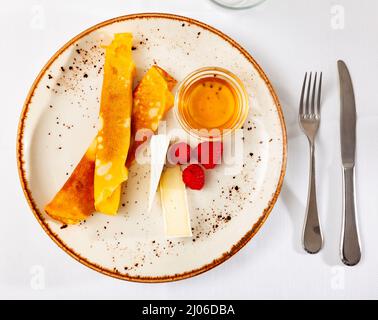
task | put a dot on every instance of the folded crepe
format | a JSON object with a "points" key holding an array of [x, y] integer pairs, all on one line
{"points": [[113, 138], [76, 200], [152, 99]]}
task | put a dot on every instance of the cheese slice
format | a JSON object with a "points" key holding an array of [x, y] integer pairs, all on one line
{"points": [[174, 203], [113, 139], [74, 201], [158, 145]]}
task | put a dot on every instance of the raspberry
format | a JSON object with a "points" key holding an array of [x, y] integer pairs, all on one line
{"points": [[179, 153], [209, 154], [194, 177]]}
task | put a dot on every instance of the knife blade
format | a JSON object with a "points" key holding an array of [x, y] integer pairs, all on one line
{"points": [[350, 247], [347, 116]]}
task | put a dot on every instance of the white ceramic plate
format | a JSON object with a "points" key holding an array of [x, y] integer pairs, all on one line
{"points": [[59, 120]]}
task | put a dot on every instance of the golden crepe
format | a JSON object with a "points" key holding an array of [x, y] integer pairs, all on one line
{"points": [[75, 201], [152, 99], [113, 138]]}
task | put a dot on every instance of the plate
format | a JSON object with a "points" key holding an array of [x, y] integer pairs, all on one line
{"points": [[59, 120]]}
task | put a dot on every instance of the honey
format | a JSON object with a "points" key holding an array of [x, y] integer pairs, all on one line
{"points": [[210, 103], [211, 98]]}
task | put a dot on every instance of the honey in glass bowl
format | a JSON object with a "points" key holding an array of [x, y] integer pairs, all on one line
{"points": [[211, 98]]}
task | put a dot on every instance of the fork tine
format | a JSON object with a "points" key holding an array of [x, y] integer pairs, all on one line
{"points": [[312, 108], [319, 94], [301, 104], [307, 110]]}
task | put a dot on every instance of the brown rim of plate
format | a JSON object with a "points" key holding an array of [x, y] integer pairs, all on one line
{"points": [[114, 273]]}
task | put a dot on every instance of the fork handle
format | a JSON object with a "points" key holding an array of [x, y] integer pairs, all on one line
{"points": [[312, 234], [350, 241]]}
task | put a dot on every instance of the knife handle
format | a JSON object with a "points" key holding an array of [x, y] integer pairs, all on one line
{"points": [[312, 234], [350, 240]]}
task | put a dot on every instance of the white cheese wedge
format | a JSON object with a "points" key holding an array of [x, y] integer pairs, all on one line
{"points": [[174, 204], [158, 149]]}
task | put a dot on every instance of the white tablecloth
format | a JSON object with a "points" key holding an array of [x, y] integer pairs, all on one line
{"points": [[287, 37]]}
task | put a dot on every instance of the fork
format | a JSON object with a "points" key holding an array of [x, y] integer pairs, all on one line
{"points": [[309, 119]]}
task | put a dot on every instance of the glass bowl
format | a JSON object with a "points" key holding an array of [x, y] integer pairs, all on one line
{"points": [[238, 4], [233, 82]]}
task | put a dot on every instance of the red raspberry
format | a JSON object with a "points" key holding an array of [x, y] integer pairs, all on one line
{"points": [[179, 153], [194, 177], [209, 153]]}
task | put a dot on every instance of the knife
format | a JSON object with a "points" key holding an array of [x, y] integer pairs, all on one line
{"points": [[350, 248]]}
